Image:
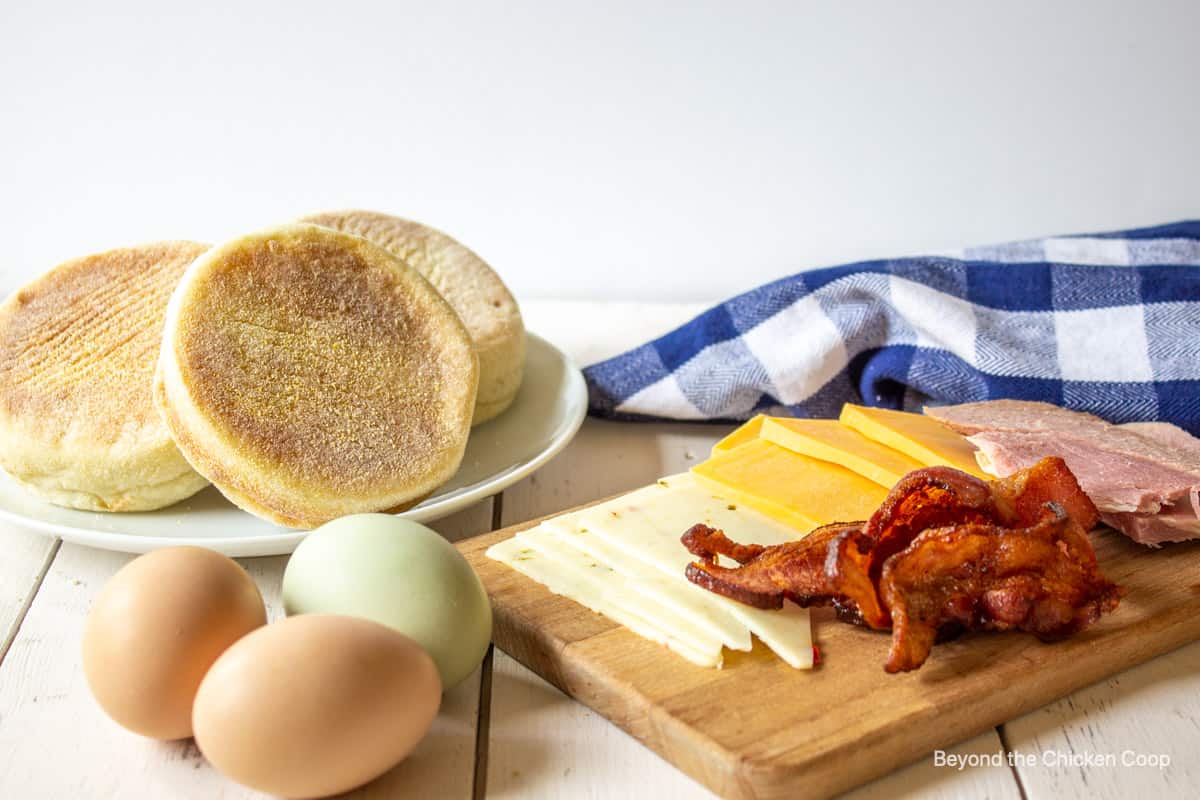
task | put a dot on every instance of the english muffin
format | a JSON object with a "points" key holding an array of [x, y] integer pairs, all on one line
{"points": [[471, 287], [309, 373], [78, 348]]}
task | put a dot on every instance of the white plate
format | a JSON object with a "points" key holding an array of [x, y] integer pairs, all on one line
{"points": [[547, 412]]}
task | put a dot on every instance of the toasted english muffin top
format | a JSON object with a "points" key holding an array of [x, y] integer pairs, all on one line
{"points": [[312, 363], [79, 344]]}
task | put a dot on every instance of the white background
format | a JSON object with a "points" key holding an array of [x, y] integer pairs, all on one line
{"points": [[601, 150]]}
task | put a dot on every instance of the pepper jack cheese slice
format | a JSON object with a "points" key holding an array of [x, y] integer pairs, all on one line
{"points": [[680, 634], [797, 490], [596, 587], [672, 591], [916, 435], [648, 523], [830, 440], [637, 536]]}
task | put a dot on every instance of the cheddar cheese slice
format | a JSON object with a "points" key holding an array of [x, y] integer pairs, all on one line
{"points": [[916, 435], [747, 432], [830, 440], [797, 490]]}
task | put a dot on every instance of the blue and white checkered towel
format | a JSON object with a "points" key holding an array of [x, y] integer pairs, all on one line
{"points": [[1107, 323]]}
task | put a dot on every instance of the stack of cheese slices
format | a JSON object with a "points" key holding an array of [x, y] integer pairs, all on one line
{"points": [[770, 481], [311, 370]]}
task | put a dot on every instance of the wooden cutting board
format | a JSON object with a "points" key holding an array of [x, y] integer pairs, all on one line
{"points": [[759, 729]]}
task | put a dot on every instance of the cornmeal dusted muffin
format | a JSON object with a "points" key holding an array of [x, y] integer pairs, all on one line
{"points": [[471, 287], [310, 374], [78, 348]]}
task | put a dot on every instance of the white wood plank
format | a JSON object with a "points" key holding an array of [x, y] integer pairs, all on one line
{"points": [[1079, 744], [986, 774], [55, 741], [544, 744], [21, 567]]}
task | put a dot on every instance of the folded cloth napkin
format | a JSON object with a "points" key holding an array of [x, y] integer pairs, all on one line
{"points": [[1107, 323]]}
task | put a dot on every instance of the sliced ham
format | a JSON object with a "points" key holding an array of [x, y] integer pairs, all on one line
{"points": [[1012, 415], [1144, 477], [1163, 433], [1174, 524]]}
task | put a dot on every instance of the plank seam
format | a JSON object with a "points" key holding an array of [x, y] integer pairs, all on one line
{"points": [[1012, 765], [497, 512], [483, 719], [483, 727], [23, 611]]}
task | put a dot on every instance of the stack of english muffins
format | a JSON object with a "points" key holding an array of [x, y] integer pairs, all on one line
{"points": [[331, 366]]}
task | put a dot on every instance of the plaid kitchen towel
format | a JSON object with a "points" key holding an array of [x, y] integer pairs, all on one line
{"points": [[1107, 323]]}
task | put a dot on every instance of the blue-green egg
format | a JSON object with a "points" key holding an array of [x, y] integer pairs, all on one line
{"points": [[398, 573]]}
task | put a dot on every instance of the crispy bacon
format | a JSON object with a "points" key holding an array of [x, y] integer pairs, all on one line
{"points": [[925, 498], [1043, 579], [1021, 497], [827, 566], [940, 555]]}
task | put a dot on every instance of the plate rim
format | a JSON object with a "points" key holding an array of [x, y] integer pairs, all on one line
{"points": [[286, 541]]}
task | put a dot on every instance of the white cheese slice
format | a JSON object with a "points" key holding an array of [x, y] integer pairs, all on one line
{"points": [[569, 572], [788, 632], [651, 520], [698, 637], [624, 559], [676, 592], [518, 555], [648, 524]]}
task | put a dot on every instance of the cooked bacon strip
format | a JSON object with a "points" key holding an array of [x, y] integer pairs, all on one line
{"points": [[840, 563], [1021, 497], [925, 498], [802, 571], [844, 564], [1043, 579]]}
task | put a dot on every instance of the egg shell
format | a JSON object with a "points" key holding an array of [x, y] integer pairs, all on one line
{"points": [[400, 573], [155, 629], [315, 705]]}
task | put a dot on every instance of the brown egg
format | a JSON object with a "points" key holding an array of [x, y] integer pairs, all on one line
{"points": [[315, 705], [155, 629]]}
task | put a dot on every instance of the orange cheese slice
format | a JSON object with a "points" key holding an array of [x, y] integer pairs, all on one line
{"points": [[830, 440], [799, 491], [917, 436], [747, 432]]}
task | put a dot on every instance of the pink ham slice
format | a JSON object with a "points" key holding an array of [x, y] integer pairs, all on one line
{"points": [[1144, 477], [1163, 433]]}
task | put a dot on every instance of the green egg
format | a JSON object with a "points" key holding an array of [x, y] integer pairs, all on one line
{"points": [[399, 573]]}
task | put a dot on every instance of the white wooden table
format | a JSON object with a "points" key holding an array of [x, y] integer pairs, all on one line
{"points": [[507, 733]]}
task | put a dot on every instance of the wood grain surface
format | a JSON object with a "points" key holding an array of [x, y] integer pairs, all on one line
{"points": [[758, 729]]}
